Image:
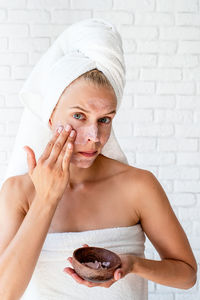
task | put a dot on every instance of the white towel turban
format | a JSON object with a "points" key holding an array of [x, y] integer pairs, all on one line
{"points": [[83, 46]]}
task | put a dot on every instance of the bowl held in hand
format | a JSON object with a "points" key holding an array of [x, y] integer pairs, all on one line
{"points": [[95, 264]]}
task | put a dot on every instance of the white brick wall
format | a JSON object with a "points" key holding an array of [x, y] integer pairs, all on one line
{"points": [[158, 125]]}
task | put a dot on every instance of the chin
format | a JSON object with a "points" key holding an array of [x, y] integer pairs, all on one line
{"points": [[82, 162]]}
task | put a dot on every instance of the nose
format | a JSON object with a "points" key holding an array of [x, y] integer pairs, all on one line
{"points": [[92, 134], [87, 134]]}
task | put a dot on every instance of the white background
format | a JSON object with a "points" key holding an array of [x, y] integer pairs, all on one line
{"points": [[158, 124]]}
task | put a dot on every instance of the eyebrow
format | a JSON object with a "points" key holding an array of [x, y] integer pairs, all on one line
{"points": [[78, 107]]}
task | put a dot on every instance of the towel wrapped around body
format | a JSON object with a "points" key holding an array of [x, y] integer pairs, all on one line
{"points": [[49, 282]]}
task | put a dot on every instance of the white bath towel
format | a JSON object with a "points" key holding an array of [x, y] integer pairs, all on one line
{"points": [[83, 46], [49, 282]]}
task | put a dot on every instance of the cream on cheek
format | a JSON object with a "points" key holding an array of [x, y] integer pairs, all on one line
{"points": [[97, 133], [87, 138], [85, 133]]}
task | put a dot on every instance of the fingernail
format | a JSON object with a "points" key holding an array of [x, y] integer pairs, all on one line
{"points": [[67, 127], [119, 275], [60, 128], [72, 133]]}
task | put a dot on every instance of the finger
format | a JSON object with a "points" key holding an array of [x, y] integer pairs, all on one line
{"points": [[106, 285], [49, 146], [30, 158], [85, 245], [117, 275], [72, 273], [67, 152], [70, 259], [90, 284], [69, 270], [79, 279], [58, 145]]}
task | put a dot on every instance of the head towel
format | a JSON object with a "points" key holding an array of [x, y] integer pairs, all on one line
{"points": [[83, 46]]}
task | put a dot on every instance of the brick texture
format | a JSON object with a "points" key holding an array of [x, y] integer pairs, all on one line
{"points": [[158, 124]]}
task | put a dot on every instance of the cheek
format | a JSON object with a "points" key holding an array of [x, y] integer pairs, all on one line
{"points": [[92, 132], [105, 136], [82, 134], [99, 134]]}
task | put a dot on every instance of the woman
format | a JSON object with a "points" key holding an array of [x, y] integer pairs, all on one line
{"points": [[69, 195], [71, 192]]}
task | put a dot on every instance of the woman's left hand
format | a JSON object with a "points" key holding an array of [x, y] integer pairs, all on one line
{"points": [[126, 267]]}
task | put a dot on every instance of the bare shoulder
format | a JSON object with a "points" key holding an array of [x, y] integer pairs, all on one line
{"points": [[131, 179], [146, 189], [138, 186], [23, 187], [153, 204], [138, 179], [132, 175]]}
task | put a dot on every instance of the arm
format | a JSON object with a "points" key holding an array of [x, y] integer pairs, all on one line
{"points": [[50, 177], [21, 238], [177, 267]]}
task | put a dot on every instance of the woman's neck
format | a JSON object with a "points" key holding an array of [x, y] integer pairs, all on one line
{"points": [[79, 176]]}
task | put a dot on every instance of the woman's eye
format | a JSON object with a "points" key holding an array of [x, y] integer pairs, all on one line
{"points": [[109, 119], [77, 114]]}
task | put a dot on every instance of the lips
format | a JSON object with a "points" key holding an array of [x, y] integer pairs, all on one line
{"points": [[88, 154]]}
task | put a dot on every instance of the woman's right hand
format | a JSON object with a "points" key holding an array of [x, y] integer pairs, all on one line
{"points": [[50, 175]]}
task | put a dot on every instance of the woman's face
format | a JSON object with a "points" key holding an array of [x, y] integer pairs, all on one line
{"points": [[92, 120]]}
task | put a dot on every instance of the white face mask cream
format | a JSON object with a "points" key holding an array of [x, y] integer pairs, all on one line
{"points": [[92, 126], [84, 133]]}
